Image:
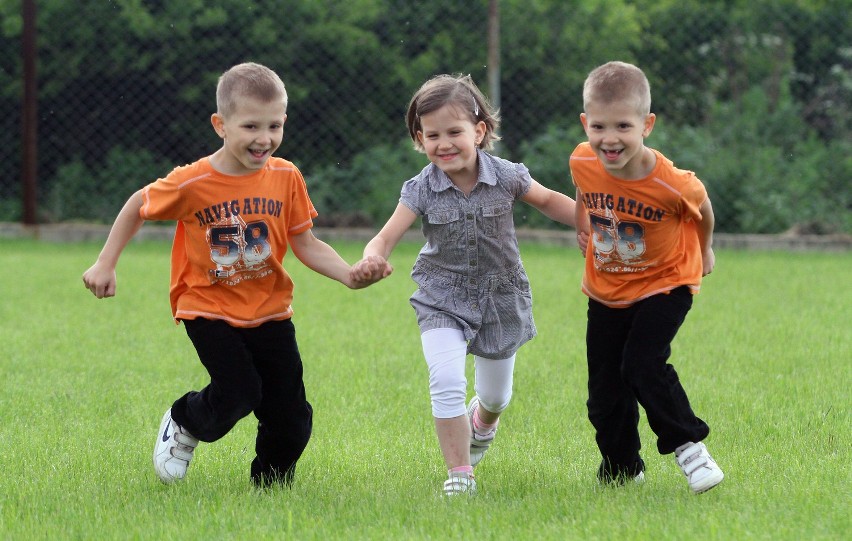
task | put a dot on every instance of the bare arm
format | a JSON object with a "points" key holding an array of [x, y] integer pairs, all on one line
{"points": [[556, 206], [705, 236], [100, 277], [582, 224], [378, 250], [323, 259]]}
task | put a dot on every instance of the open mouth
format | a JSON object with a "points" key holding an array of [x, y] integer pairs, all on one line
{"points": [[258, 153], [611, 155]]}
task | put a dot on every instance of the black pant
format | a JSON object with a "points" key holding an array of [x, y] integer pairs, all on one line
{"points": [[627, 353], [251, 369]]}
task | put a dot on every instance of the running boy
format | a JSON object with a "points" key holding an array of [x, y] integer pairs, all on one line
{"points": [[473, 295], [650, 244], [237, 211]]}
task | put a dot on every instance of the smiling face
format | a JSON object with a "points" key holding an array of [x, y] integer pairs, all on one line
{"points": [[450, 139], [251, 133], [617, 132]]}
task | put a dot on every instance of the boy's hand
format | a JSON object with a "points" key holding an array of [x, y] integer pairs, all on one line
{"points": [[100, 280], [369, 270], [583, 241], [708, 260]]}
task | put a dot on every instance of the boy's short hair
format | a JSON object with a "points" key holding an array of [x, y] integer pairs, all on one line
{"points": [[618, 81], [248, 80], [459, 91]]}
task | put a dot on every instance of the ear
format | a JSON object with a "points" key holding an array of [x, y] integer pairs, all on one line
{"points": [[480, 129], [584, 121], [284, 120], [650, 120], [218, 124]]}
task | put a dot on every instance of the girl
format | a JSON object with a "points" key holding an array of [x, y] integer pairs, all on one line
{"points": [[473, 294]]}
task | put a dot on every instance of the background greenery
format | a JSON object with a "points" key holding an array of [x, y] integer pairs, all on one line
{"points": [[764, 355], [752, 94]]}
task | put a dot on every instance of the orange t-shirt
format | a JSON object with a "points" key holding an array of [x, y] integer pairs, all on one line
{"points": [[231, 238], [644, 238]]}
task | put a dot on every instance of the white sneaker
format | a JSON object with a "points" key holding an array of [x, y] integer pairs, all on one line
{"points": [[172, 450], [698, 466], [460, 483], [479, 443]]}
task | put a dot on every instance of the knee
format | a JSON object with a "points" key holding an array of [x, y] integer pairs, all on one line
{"points": [[495, 401]]}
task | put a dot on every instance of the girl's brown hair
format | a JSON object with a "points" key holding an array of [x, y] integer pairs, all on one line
{"points": [[460, 92]]}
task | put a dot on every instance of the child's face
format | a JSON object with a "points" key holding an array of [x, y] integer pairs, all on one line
{"points": [[616, 133], [251, 134], [450, 139]]}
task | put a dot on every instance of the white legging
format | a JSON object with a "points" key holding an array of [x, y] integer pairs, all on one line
{"points": [[445, 351]]}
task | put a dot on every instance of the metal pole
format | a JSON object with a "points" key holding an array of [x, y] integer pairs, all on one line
{"points": [[29, 114], [494, 57], [494, 52]]}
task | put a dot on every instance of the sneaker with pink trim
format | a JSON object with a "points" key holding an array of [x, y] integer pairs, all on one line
{"points": [[479, 443], [460, 484]]}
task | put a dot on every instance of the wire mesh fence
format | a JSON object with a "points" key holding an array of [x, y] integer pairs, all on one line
{"points": [[752, 95]]}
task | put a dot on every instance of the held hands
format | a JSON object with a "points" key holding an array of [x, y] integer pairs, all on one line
{"points": [[100, 280], [368, 271]]}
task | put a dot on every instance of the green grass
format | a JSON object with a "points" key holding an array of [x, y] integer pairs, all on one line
{"points": [[764, 355]]}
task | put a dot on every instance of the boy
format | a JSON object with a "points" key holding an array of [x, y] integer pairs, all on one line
{"points": [[237, 211], [651, 236]]}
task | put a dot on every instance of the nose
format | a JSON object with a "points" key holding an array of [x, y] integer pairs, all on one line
{"points": [[609, 136], [444, 143], [264, 137]]}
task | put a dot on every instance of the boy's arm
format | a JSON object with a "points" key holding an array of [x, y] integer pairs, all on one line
{"points": [[322, 258], [705, 236], [556, 206], [582, 224], [100, 277]]}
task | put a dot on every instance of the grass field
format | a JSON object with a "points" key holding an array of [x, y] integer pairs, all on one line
{"points": [[765, 356]]}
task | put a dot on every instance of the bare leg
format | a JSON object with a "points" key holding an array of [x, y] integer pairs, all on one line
{"points": [[454, 439]]}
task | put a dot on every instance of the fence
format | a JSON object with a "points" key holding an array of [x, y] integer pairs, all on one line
{"points": [[752, 95]]}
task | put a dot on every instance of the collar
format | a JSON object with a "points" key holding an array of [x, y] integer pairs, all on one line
{"points": [[439, 181]]}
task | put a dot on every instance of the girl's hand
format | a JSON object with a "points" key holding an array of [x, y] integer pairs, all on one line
{"points": [[369, 270]]}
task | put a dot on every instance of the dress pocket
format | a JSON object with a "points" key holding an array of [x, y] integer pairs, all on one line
{"points": [[496, 218], [446, 224]]}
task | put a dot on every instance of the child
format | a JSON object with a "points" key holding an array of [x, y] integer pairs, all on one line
{"points": [[473, 294], [651, 243], [237, 211]]}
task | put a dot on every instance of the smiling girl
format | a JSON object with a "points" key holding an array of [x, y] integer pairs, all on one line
{"points": [[473, 295]]}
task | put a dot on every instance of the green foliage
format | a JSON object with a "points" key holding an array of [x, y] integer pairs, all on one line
{"points": [[546, 157], [765, 169], [138, 73], [98, 193], [376, 175]]}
